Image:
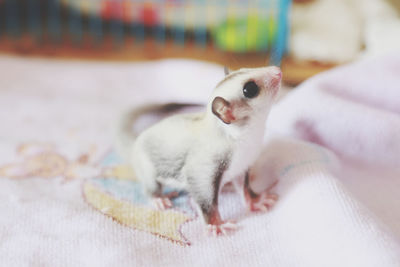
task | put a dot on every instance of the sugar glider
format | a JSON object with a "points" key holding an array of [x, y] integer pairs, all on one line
{"points": [[198, 152]]}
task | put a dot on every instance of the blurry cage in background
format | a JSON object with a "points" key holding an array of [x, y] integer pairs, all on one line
{"points": [[238, 26]]}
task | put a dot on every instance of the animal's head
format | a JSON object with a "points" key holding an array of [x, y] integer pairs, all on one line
{"points": [[245, 94]]}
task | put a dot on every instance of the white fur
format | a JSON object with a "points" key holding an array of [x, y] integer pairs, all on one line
{"points": [[205, 139], [248, 139]]}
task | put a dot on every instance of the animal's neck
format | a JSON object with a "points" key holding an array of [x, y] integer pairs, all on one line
{"points": [[236, 131]]}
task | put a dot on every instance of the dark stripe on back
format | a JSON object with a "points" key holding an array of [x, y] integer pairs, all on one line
{"points": [[230, 76], [221, 168]]}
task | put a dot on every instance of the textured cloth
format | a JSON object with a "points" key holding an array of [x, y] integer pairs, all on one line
{"points": [[68, 200]]}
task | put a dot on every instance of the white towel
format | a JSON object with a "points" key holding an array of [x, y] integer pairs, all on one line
{"points": [[67, 200]]}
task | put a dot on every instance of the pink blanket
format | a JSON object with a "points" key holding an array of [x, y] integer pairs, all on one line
{"points": [[68, 200]]}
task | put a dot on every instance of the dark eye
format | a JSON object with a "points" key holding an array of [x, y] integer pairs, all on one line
{"points": [[250, 90]]}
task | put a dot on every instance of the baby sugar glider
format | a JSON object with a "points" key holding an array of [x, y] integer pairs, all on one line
{"points": [[198, 152]]}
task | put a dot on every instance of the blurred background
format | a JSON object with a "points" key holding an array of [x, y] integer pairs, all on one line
{"points": [[303, 36]]}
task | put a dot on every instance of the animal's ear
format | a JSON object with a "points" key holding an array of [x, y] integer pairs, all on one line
{"points": [[223, 110], [226, 70]]}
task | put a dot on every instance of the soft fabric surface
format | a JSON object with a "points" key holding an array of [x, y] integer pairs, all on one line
{"points": [[67, 199]]}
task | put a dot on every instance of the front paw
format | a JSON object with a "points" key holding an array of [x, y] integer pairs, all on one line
{"points": [[222, 229], [263, 202]]}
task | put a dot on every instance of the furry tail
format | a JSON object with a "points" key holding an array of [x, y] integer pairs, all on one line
{"points": [[133, 122]]}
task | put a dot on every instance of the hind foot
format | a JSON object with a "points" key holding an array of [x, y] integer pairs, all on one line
{"points": [[263, 202], [222, 229], [162, 203]]}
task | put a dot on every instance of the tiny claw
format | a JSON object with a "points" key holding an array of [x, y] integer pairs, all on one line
{"points": [[259, 208], [162, 203], [263, 202], [170, 195], [221, 229], [273, 196], [231, 225]]}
